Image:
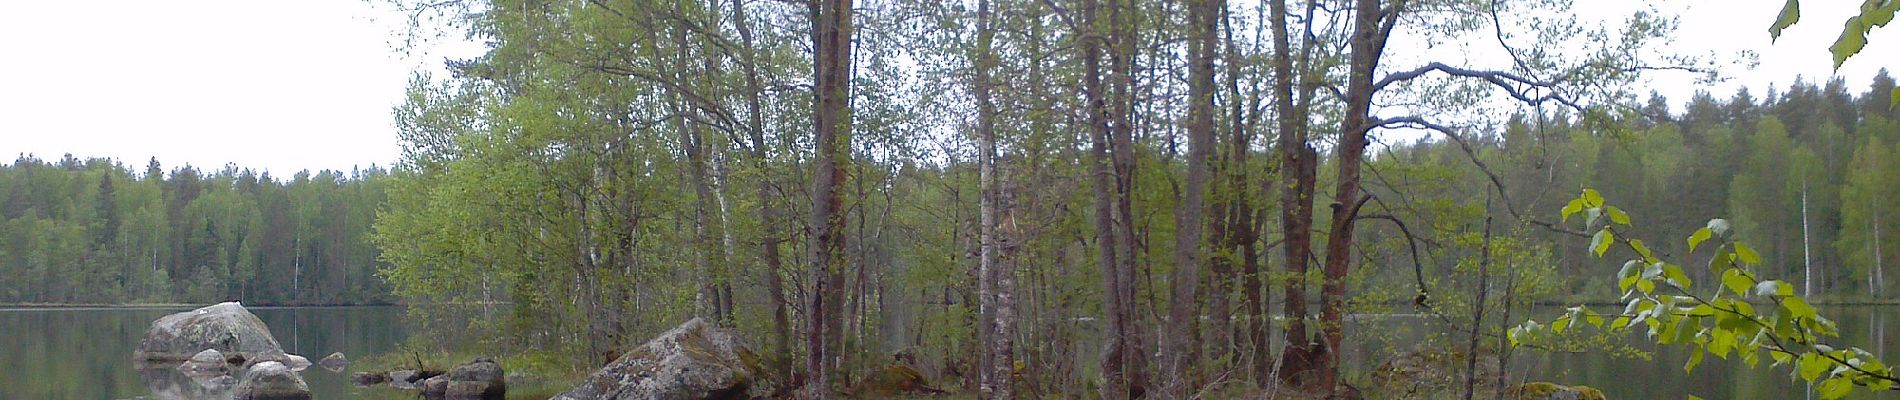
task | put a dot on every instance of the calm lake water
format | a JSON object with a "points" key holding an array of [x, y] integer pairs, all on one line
{"points": [[87, 353]]}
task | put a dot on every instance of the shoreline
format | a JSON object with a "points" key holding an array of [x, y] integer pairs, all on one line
{"points": [[167, 306]]}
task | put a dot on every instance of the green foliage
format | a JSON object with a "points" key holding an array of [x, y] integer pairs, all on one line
{"points": [[95, 232], [1723, 321]]}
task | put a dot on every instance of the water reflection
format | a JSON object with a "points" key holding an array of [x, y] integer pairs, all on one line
{"points": [[166, 382], [87, 353]]}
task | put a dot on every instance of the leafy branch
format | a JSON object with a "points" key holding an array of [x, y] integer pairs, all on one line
{"points": [[1721, 320]]}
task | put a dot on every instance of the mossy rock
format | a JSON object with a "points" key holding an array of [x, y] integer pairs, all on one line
{"points": [[894, 380], [1552, 391], [1429, 374]]}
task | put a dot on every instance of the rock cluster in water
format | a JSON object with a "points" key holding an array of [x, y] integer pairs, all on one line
{"points": [[481, 379], [219, 352]]}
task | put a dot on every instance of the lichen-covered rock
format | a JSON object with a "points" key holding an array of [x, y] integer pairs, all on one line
{"points": [[692, 361], [226, 327], [480, 379], [334, 362], [1552, 391], [271, 380]]}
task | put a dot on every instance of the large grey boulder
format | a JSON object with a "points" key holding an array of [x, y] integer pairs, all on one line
{"points": [[225, 327], [695, 360], [271, 380]]}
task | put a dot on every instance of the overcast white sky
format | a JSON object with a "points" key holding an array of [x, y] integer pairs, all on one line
{"points": [[293, 85]]}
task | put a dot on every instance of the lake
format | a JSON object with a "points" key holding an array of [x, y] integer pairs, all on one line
{"points": [[86, 353]]}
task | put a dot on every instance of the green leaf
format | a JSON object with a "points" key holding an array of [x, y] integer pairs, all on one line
{"points": [[1698, 237], [1675, 276], [1790, 14], [1853, 38], [1747, 255], [1574, 207], [1694, 359], [1836, 387], [1811, 366], [1641, 249], [1721, 262], [1601, 243], [1617, 216], [1694, 397], [1737, 282], [1895, 103], [1876, 15], [1798, 308], [1560, 324], [1591, 198]]}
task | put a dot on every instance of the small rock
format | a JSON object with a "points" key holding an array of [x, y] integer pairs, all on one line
{"points": [[295, 362], [435, 386], [271, 380], [334, 362], [368, 378], [480, 379], [401, 379], [207, 362]]}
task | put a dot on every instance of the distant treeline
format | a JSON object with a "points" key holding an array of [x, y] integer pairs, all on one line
{"points": [[1808, 174], [96, 231]]}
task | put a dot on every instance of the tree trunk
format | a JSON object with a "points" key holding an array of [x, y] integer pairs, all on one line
{"points": [[1297, 168], [831, 70], [1183, 310], [1368, 42], [1122, 149], [1108, 243], [768, 209], [993, 279]]}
